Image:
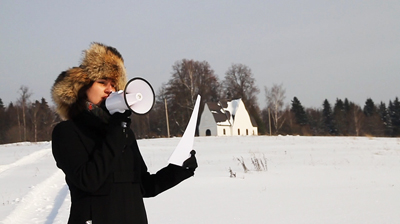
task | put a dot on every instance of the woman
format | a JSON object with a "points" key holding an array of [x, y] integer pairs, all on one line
{"points": [[98, 153]]}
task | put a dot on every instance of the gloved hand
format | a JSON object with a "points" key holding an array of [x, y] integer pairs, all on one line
{"points": [[191, 162], [118, 125], [122, 120]]}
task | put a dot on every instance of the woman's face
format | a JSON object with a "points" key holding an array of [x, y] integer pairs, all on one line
{"points": [[100, 90]]}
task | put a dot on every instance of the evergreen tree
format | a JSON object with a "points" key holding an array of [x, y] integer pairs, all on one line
{"points": [[349, 118], [373, 122], [339, 115], [369, 108], [2, 123], [316, 121], [394, 110], [12, 123], [328, 118], [299, 112], [346, 105], [385, 117]]}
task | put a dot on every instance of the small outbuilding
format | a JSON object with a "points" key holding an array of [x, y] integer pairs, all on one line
{"points": [[226, 118]]}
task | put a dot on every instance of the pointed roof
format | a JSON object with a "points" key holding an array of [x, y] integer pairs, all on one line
{"points": [[224, 111], [220, 115]]}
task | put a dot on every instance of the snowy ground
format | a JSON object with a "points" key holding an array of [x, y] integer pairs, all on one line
{"points": [[308, 180]]}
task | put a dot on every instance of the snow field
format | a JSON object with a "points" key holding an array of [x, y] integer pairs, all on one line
{"points": [[309, 180]]}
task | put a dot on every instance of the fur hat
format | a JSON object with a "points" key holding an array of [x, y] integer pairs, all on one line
{"points": [[98, 62]]}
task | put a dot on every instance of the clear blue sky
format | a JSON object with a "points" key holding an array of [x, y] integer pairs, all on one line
{"points": [[317, 49]]}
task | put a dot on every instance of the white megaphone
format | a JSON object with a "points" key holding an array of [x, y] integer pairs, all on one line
{"points": [[138, 97]]}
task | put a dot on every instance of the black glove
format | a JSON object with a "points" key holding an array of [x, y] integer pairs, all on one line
{"points": [[118, 125], [122, 120], [191, 162]]}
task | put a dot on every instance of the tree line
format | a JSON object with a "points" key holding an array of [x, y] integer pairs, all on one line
{"points": [[24, 120], [33, 121]]}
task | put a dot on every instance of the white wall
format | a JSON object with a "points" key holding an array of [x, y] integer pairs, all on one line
{"points": [[207, 122], [243, 122], [228, 130]]}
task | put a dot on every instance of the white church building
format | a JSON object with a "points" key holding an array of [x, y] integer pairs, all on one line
{"points": [[226, 118]]}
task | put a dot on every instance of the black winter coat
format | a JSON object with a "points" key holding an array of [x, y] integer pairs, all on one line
{"points": [[105, 172]]}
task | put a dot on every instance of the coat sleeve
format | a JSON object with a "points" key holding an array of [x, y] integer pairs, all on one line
{"points": [[164, 179], [84, 171]]}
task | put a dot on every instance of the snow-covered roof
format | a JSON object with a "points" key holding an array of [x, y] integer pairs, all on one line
{"points": [[233, 106], [220, 115], [224, 111]]}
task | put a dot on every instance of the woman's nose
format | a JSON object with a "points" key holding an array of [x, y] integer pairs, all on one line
{"points": [[109, 89]]}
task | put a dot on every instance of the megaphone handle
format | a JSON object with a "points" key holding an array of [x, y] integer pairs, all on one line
{"points": [[117, 110]]}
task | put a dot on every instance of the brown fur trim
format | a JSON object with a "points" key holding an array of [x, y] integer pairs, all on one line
{"points": [[99, 61]]}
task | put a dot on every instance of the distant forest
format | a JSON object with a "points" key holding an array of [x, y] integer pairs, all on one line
{"points": [[33, 120]]}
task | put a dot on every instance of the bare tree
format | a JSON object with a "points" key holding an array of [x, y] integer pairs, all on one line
{"points": [[358, 118], [25, 94], [34, 112], [274, 98], [48, 119], [240, 83], [189, 78]]}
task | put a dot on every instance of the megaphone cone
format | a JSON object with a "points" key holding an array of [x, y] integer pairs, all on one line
{"points": [[138, 96]]}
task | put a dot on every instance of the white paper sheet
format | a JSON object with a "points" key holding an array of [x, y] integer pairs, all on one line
{"points": [[185, 145]]}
